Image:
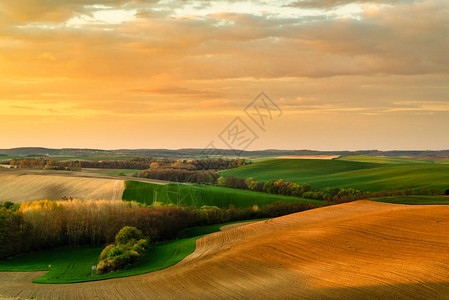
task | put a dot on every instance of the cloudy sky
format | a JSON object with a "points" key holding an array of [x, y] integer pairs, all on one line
{"points": [[347, 74]]}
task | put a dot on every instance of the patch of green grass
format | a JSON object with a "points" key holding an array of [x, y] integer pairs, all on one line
{"points": [[6, 157], [385, 160], [366, 176], [414, 200], [199, 195], [122, 172], [70, 265], [64, 264]]}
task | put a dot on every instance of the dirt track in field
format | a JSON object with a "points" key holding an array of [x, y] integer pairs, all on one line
{"points": [[359, 250]]}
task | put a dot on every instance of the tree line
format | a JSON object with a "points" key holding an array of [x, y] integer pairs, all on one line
{"points": [[47, 224], [180, 175], [144, 163], [137, 163], [329, 195], [40, 163], [195, 171]]}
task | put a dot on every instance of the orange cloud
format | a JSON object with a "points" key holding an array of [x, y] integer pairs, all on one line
{"points": [[162, 65]]}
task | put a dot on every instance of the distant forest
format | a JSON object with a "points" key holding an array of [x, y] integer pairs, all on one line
{"points": [[180, 153], [194, 171]]}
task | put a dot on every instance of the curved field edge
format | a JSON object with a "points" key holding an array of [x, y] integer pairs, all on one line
{"points": [[358, 250], [366, 176], [73, 265], [413, 200], [199, 195]]}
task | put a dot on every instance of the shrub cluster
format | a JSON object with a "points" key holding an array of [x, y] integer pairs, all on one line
{"points": [[9, 205], [128, 247]]}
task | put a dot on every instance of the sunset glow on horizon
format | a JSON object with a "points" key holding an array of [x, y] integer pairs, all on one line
{"points": [[115, 74]]}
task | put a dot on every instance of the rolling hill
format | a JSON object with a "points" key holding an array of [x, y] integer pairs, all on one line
{"points": [[358, 250], [371, 174], [199, 195]]}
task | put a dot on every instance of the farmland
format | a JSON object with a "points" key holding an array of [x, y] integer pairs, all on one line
{"points": [[295, 248], [414, 200], [355, 250], [363, 173], [224, 150], [69, 265], [30, 185], [199, 195]]}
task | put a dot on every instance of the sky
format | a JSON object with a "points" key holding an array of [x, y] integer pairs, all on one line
{"points": [[114, 74]]}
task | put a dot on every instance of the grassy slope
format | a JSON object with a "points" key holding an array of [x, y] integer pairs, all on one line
{"points": [[375, 175], [199, 195], [385, 160], [69, 265], [414, 200]]}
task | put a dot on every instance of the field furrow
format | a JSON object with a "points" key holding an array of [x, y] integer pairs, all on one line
{"points": [[361, 249]]}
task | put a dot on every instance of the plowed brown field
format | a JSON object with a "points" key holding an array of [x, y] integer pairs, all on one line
{"points": [[19, 187], [359, 250]]}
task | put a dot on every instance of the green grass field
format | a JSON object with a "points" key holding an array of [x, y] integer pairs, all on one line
{"points": [[199, 195], [122, 172], [389, 160], [69, 265], [414, 200], [369, 174], [6, 157]]}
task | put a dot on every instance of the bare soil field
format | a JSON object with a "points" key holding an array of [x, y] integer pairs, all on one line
{"points": [[18, 188], [19, 185], [358, 250]]}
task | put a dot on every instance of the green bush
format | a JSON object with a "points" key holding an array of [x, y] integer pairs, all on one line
{"points": [[140, 246], [128, 234], [104, 254], [129, 246]]}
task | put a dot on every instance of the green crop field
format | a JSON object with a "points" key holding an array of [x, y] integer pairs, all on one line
{"points": [[122, 172], [390, 160], [69, 265], [199, 195], [6, 157], [414, 200], [372, 174]]}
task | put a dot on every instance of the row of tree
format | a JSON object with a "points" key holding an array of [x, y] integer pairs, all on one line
{"points": [[181, 175], [39, 163], [48, 224], [329, 195], [137, 163], [165, 163]]}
